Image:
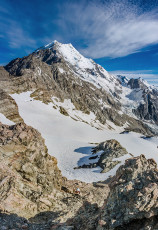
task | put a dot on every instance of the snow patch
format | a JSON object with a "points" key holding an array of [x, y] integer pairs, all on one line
{"points": [[5, 120], [61, 70]]}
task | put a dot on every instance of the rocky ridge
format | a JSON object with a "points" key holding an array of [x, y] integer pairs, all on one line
{"points": [[28, 174], [147, 108], [132, 202]]}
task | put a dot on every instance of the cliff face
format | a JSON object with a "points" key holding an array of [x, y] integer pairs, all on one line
{"points": [[8, 107], [149, 109], [29, 177]]}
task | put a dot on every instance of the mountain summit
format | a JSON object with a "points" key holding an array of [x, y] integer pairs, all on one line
{"points": [[83, 90]]}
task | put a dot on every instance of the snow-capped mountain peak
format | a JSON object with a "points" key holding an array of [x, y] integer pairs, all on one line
{"points": [[61, 62], [82, 67], [71, 55]]}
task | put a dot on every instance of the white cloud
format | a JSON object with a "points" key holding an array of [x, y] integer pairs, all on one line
{"points": [[111, 30]]}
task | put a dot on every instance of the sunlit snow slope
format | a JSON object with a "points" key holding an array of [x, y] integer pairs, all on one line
{"points": [[69, 140]]}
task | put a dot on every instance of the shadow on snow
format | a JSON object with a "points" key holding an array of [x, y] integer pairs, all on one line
{"points": [[85, 160]]}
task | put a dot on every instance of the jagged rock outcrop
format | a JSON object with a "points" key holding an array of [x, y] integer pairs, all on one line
{"points": [[132, 202], [133, 197], [136, 84], [29, 177], [148, 109], [111, 149], [8, 107]]}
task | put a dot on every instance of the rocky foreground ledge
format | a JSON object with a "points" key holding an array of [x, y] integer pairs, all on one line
{"points": [[133, 199], [34, 195], [27, 173], [31, 185]]}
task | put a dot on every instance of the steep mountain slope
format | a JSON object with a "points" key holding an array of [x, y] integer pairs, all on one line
{"points": [[77, 86]]}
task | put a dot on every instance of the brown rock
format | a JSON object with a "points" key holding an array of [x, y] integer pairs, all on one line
{"points": [[134, 194]]}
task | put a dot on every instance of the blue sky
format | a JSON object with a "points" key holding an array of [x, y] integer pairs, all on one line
{"points": [[121, 35]]}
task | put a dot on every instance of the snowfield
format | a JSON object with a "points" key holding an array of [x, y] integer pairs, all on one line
{"points": [[70, 141], [5, 121]]}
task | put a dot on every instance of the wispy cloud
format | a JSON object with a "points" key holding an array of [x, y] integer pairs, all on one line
{"points": [[111, 30], [99, 28], [18, 38]]}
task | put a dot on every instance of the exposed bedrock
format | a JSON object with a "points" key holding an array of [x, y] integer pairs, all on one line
{"points": [[133, 197], [110, 150]]}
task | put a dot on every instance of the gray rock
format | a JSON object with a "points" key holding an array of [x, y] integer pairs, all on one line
{"points": [[133, 196], [111, 150]]}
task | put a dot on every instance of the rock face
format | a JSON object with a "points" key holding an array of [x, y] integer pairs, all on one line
{"points": [[136, 84], [148, 109], [8, 107], [58, 70], [110, 150], [133, 199], [29, 177]]}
